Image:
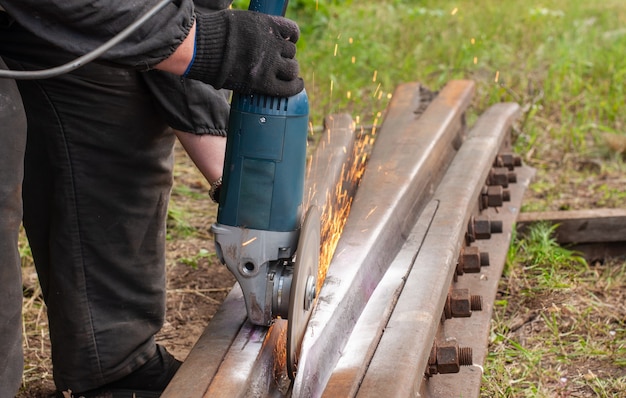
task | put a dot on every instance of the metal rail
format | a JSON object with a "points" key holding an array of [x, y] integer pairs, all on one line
{"points": [[400, 266]]}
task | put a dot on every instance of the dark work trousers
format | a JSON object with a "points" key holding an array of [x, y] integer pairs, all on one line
{"points": [[12, 144], [97, 178]]}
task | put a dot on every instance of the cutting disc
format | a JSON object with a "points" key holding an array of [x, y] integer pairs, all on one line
{"points": [[303, 286]]}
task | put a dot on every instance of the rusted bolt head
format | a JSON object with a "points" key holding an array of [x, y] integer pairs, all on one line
{"points": [[499, 176], [460, 303], [469, 261], [510, 160], [495, 196], [482, 228], [448, 357]]}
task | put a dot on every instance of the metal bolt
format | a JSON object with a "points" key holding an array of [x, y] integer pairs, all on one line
{"points": [[448, 357], [460, 304], [501, 176], [493, 196], [508, 160], [482, 228], [471, 259]]}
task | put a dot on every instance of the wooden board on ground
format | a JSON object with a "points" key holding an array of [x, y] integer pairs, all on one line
{"points": [[599, 233]]}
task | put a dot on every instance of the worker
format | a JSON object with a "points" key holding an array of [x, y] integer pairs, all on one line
{"points": [[96, 167]]}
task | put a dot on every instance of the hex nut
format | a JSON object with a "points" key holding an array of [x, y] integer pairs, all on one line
{"points": [[448, 358]]}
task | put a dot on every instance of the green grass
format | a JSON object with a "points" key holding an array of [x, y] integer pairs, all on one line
{"points": [[563, 61], [560, 324], [564, 55]]}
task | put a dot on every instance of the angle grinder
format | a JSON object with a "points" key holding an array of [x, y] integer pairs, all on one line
{"points": [[259, 233]]}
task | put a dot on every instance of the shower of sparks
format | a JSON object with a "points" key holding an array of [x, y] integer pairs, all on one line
{"points": [[335, 52], [349, 94], [353, 59], [475, 60], [339, 202], [473, 41], [280, 356], [375, 76], [497, 76], [371, 212], [454, 11]]}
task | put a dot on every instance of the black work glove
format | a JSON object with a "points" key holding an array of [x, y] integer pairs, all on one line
{"points": [[247, 52]]}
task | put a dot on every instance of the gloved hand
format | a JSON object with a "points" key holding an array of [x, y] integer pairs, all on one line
{"points": [[248, 52]]}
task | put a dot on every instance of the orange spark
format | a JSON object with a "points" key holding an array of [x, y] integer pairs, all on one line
{"points": [[376, 91], [371, 212], [246, 243]]}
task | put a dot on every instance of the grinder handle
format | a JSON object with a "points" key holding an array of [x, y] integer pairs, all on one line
{"points": [[271, 7]]}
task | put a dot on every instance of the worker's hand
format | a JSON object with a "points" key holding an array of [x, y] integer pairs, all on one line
{"points": [[247, 52]]}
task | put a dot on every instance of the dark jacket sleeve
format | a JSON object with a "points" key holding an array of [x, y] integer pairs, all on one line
{"points": [[79, 26]]}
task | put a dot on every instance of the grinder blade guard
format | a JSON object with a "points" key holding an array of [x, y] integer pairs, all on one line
{"points": [[261, 199]]}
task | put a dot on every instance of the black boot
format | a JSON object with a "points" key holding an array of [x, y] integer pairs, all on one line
{"points": [[148, 381]]}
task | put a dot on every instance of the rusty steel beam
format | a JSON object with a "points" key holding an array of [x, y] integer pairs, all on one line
{"points": [[359, 350], [409, 158], [234, 358], [474, 331], [404, 349]]}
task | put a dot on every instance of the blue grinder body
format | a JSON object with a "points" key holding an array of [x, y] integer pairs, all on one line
{"points": [[265, 162], [264, 169]]}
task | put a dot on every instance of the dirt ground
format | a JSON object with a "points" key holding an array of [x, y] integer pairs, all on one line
{"points": [[197, 283]]}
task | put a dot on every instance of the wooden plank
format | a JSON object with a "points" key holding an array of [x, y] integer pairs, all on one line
{"points": [[581, 226]]}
